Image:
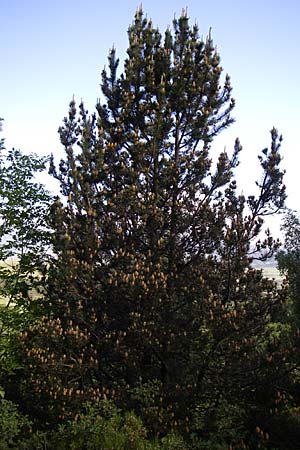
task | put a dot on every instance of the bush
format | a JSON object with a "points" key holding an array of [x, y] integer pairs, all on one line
{"points": [[15, 428], [104, 427]]}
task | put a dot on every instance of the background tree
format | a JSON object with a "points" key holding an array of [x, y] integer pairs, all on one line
{"points": [[289, 261], [155, 302], [24, 245]]}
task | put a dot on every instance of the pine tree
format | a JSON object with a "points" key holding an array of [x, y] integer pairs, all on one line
{"points": [[154, 300]]}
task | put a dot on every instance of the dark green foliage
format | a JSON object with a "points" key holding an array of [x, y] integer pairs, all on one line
{"points": [[104, 427], [155, 304], [15, 428], [100, 427], [286, 425], [289, 262]]}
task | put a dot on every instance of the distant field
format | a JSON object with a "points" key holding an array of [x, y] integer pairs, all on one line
{"points": [[10, 264], [272, 272]]}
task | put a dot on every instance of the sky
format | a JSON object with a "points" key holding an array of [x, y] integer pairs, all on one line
{"points": [[54, 50]]}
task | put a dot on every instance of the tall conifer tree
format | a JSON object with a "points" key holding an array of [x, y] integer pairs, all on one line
{"points": [[155, 303]]}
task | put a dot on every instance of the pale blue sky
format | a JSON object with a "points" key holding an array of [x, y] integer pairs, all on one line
{"points": [[52, 50]]}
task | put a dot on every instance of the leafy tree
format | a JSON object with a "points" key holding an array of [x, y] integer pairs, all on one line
{"points": [[24, 243], [24, 206], [289, 261], [155, 303]]}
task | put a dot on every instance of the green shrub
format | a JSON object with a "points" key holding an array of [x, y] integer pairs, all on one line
{"points": [[104, 427], [15, 429]]}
